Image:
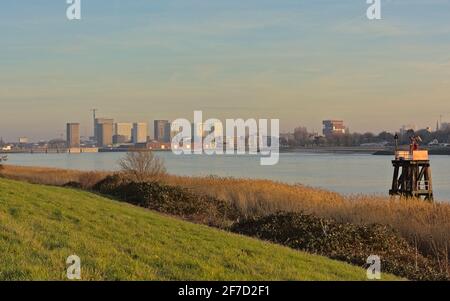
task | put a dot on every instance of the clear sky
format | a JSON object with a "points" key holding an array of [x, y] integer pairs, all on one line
{"points": [[299, 61]]}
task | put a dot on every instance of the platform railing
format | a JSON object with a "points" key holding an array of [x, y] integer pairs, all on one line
{"points": [[403, 155], [423, 185], [416, 155]]}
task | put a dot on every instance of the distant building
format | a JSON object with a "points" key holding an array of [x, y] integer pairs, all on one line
{"points": [[23, 140], [445, 126], [57, 144], [105, 134], [73, 135], [287, 137], [139, 133], [120, 139], [124, 130], [162, 131], [104, 131], [333, 127], [153, 145]]}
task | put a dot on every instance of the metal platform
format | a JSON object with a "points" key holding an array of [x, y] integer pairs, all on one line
{"points": [[412, 175]]}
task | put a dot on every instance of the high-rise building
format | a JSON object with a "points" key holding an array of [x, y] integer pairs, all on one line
{"points": [[162, 131], [123, 130], [139, 132], [120, 139], [104, 131], [73, 135], [94, 111], [333, 127]]}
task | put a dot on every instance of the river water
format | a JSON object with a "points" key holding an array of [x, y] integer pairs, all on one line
{"points": [[344, 173]]}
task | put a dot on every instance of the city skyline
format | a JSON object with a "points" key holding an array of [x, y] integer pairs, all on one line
{"points": [[296, 61], [118, 127]]}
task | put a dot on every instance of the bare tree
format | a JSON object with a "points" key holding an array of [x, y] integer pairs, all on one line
{"points": [[142, 165]]}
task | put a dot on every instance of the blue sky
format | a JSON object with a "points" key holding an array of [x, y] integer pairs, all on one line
{"points": [[299, 61]]}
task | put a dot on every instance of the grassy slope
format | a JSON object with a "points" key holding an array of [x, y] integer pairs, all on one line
{"points": [[40, 226]]}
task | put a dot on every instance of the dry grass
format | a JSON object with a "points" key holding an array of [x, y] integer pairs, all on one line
{"points": [[260, 197], [52, 176], [425, 225]]}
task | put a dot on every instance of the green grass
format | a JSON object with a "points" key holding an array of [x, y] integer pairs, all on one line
{"points": [[40, 226]]}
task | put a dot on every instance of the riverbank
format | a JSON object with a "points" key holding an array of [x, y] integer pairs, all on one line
{"points": [[426, 226], [132, 243]]}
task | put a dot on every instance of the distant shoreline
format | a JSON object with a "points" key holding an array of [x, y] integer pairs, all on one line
{"points": [[378, 151], [332, 149]]}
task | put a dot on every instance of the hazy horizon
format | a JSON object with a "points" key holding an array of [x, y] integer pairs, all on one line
{"points": [[299, 61]]}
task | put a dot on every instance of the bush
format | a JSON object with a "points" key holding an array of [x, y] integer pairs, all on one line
{"points": [[89, 179], [342, 241], [168, 199], [73, 184], [142, 165]]}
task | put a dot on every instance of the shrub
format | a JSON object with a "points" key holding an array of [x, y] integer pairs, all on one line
{"points": [[73, 184], [342, 241], [89, 179], [142, 165], [168, 199]]}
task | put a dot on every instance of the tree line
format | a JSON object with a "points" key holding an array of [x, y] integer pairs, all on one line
{"points": [[302, 138]]}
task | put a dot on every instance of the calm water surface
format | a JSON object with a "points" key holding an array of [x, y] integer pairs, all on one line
{"points": [[344, 173]]}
